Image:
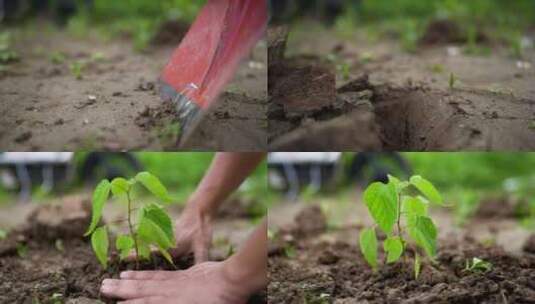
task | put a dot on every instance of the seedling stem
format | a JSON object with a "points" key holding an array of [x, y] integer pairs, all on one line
{"points": [[131, 227]]}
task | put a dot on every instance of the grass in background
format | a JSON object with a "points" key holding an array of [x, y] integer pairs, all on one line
{"points": [[467, 178], [407, 19], [138, 19], [181, 173], [485, 171]]}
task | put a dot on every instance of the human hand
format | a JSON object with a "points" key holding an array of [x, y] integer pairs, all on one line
{"points": [[193, 233], [205, 283]]}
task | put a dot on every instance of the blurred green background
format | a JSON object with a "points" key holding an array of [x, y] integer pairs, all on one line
{"points": [[140, 19], [179, 172], [137, 19], [465, 179]]}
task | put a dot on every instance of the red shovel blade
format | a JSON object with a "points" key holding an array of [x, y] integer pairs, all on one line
{"points": [[224, 33]]}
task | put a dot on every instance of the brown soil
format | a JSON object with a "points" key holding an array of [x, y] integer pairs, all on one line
{"points": [[529, 246], [45, 108], [502, 207], [333, 271], [446, 31], [49, 257], [412, 108]]}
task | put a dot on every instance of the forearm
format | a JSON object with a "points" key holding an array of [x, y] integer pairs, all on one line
{"points": [[248, 267], [225, 175]]}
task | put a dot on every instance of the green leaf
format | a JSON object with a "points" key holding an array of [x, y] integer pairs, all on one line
{"points": [[100, 196], [417, 266], [124, 244], [424, 233], [414, 206], [100, 243], [166, 255], [397, 183], [151, 233], [394, 247], [143, 249], [381, 201], [427, 189], [158, 215], [153, 184], [119, 186], [368, 246]]}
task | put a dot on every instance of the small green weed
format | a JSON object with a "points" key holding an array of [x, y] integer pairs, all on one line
{"points": [[57, 57], [477, 265], [3, 234], [77, 69]]}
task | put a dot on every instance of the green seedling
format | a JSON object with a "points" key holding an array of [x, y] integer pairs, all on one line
{"points": [[366, 57], [57, 298], [77, 69], [344, 70], [98, 57], [153, 226], [477, 265], [290, 252], [57, 58], [532, 125], [231, 250], [271, 234], [452, 81], [397, 212], [7, 55], [3, 234], [437, 68], [22, 250], [59, 245]]}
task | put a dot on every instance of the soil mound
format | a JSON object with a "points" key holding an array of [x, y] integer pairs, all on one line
{"points": [[47, 261], [335, 272]]}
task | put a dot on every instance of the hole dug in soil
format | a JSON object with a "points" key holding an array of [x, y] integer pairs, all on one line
{"points": [[335, 272], [307, 112], [422, 119], [50, 257]]}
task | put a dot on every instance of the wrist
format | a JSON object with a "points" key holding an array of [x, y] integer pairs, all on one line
{"points": [[201, 206], [242, 280]]}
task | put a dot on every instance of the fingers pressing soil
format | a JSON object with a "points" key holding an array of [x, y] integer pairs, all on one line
{"points": [[49, 260]]}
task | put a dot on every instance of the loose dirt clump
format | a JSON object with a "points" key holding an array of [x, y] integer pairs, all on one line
{"points": [[502, 207], [529, 246], [307, 113], [49, 261], [170, 32], [310, 221], [152, 117], [445, 31]]}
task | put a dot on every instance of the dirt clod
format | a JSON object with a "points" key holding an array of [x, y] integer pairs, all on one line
{"points": [[311, 220], [170, 32], [304, 90], [23, 137], [529, 246]]}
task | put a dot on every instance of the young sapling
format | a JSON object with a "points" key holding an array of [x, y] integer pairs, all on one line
{"points": [[400, 210], [153, 226]]}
